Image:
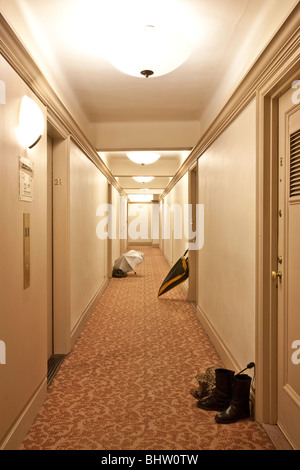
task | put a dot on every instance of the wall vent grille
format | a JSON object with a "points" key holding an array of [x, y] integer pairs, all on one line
{"points": [[295, 164]]}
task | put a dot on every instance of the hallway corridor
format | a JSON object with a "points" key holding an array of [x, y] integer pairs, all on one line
{"points": [[126, 383]]}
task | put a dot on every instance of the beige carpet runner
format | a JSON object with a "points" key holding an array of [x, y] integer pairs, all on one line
{"points": [[125, 385]]}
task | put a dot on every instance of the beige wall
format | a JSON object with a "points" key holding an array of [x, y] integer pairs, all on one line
{"points": [[88, 189], [226, 263], [23, 312], [162, 135]]}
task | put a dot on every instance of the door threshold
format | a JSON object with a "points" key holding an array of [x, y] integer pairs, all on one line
{"points": [[277, 437], [54, 363]]}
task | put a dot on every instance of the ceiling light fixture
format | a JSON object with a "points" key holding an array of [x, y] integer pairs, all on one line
{"points": [[144, 158], [148, 51], [31, 123], [140, 197], [143, 179]]}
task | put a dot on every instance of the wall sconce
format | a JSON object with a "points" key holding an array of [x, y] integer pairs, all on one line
{"points": [[31, 123]]}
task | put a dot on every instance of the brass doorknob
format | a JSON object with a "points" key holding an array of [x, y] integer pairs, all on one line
{"points": [[275, 275]]}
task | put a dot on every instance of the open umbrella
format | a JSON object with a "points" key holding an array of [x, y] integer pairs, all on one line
{"points": [[129, 261], [178, 274]]}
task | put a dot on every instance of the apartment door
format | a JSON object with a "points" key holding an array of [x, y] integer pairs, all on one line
{"points": [[288, 269], [193, 254], [49, 246]]}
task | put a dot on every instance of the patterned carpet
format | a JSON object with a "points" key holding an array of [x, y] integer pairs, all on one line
{"points": [[125, 385]]}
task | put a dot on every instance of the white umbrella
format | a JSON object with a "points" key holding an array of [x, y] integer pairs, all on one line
{"points": [[129, 261]]}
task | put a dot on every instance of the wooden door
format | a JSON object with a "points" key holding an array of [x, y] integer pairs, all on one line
{"points": [[288, 269], [49, 246], [193, 254]]}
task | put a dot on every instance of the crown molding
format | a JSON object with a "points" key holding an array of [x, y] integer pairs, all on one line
{"points": [[58, 116], [281, 53]]}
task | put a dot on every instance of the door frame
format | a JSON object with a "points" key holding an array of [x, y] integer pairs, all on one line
{"points": [[50, 339], [193, 254], [109, 239], [266, 232]]}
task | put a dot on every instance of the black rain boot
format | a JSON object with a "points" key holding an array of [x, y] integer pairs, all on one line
{"points": [[239, 406], [222, 394]]}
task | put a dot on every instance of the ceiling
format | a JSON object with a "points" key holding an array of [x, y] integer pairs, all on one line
{"points": [[163, 170], [69, 39]]}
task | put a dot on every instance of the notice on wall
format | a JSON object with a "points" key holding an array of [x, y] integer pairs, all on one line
{"points": [[26, 179]]}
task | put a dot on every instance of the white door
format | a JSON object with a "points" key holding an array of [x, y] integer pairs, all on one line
{"points": [[288, 269]]}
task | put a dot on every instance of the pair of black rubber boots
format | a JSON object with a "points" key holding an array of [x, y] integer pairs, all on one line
{"points": [[230, 397]]}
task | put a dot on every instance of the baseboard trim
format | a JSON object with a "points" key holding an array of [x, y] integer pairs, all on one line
{"points": [[17, 433], [140, 243], [220, 346], [87, 312]]}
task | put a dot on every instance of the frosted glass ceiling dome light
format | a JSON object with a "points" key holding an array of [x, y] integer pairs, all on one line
{"points": [[148, 51], [31, 123], [144, 158], [143, 179], [140, 197]]}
